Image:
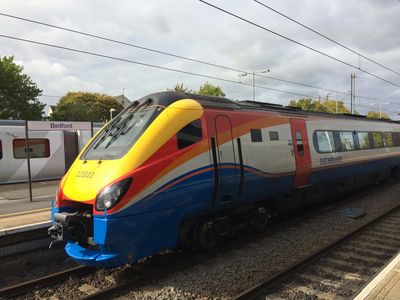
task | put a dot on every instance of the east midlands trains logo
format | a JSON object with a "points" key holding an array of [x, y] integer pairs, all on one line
{"points": [[330, 160]]}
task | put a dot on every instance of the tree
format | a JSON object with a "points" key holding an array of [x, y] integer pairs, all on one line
{"points": [[180, 88], [377, 115], [206, 89], [210, 90], [317, 105], [18, 93], [84, 106]]}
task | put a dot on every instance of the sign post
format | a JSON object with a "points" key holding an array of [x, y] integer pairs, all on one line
{"points": [[50, 126]]}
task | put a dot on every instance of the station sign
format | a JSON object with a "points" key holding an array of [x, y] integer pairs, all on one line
{"points": [[58, 125]]}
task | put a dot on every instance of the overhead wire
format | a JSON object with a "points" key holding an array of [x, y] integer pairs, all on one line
{"points": [[298, 43], [146, 64], [324, 36], [164, 53], [155, 51]]}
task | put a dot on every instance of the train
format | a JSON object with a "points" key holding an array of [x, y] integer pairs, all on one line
{"points": [[51, 152], [177, 169]]}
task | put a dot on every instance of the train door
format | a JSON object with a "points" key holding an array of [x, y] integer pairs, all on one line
{"points": [[225, 153], [70, 148], [301, 150]]}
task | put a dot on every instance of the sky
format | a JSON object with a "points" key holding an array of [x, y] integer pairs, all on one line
{"points": [[148, 46]]}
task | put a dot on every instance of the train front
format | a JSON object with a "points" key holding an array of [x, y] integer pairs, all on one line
{"points": [[102, 208]]}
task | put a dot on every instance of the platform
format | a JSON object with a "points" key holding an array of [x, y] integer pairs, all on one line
{"points": [[18, 222], [385, 285]]}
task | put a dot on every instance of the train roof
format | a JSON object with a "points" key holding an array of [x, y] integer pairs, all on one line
{"points": [[166, 98]]}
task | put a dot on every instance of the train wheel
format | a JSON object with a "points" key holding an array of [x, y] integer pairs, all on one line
{"points": [[261, 221], [206, 235]]}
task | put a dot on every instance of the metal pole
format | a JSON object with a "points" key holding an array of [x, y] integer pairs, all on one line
{"points": [[337, 98], [353, 76], [28, 159], [253, 86]]}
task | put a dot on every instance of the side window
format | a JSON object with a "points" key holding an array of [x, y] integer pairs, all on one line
{"points": [[363, 139], [190, 134], [256, 135], [1, 150], [346, 140], [388, 139], [299, 141], [273, 136], [378, 142], [396, 138], [326, 141], [38, 148]]}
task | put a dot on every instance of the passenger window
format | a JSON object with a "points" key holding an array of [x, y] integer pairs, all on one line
{"points": [[38, 148], [346, 140], [388, 139], [396, 138], [1, 150], [363, 139], [256, 135], [299, 141], [378, 142], [190, 134], [273, 136], [326, 142]]}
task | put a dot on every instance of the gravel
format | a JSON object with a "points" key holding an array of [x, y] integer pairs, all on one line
{"points": [[223, 276]]}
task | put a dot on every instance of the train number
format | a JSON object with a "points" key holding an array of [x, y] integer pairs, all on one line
{"points": [[85, 174]]}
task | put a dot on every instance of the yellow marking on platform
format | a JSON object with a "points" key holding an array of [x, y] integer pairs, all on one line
{"points": [[25, 212]]}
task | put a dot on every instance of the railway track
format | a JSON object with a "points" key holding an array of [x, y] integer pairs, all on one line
{"points": [[155, 269], [337, 271]]}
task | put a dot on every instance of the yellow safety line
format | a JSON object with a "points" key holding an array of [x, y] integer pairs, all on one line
{"points": [[25, 212]]}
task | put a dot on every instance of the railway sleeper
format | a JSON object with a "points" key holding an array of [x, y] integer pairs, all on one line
{"points": [[346, 264], [344, 275], [329, 282], [310, 291], [359, 250]]}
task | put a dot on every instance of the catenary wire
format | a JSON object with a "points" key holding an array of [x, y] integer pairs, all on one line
{"points": [[174, 70], [198, 61], [157, 51], [324, 36], [298, 43], [165, 53], [147, 65]]}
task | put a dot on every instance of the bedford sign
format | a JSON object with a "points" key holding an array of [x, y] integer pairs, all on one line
{"points": [[59, 125]]}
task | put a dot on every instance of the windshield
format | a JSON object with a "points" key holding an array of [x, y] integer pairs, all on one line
{"points": [[115, 140]]}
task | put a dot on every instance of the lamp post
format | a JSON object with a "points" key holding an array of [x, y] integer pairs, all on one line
{"points": [[380, 108], [254, 74], [111, 111]]}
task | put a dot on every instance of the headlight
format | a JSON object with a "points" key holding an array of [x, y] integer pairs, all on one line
{"points": [[112, 194]]}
